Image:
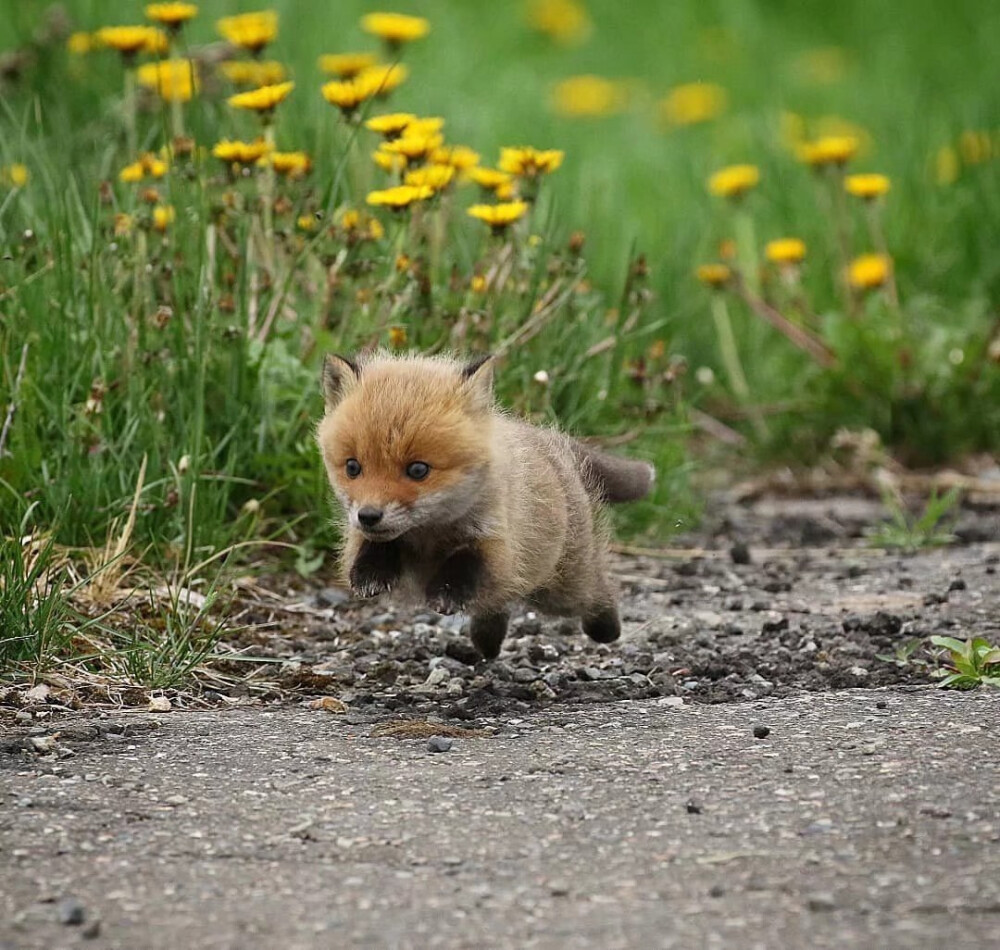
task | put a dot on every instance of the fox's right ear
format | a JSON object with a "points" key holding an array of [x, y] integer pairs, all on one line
{"points": [[477, 377], [339, 376]]}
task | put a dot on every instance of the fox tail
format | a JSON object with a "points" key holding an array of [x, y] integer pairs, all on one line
{"points": [[611, 478]]}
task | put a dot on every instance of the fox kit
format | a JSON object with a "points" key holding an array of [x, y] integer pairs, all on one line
{"points": [[448, 499]]}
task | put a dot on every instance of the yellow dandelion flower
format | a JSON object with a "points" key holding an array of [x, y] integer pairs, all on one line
{"points": [[345, 94], [785, 251], [478, 284], [290, 164], [395, 29], [460, 157], [250, 31], [714, 275], [252, 72], [437, 177], [397, 337], [946, 165], [425, 125], [734, 181], [565, 21], [163, 217], [499, 216], [123, 224], [173, 15], [490, 179], [346, 65], [305, 222], [173, 80], [588, 95], [399, 197], [527, 162], [80, 43], [402, 263], [694, 102], [413, 147], [131, 40], [506, 192], [389, 162], [132, 173], [975, 147], [391, 124], [242, 153], [829, 150], [869, 271], [361, 225], [16, 175], [263, 99], [867, 186], [379, 81]]}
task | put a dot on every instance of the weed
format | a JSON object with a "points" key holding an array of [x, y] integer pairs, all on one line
{"points": [[913, 533], [967, 663]]}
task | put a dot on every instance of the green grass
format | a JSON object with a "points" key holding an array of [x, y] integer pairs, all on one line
{"points": [[150, 347]]}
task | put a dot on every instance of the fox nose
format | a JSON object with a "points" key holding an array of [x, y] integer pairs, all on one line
{"points": [[369, 517]]}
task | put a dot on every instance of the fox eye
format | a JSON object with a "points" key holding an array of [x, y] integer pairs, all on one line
{"points": [[418, 471], [353, 468]]}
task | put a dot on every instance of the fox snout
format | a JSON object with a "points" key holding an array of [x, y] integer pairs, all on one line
{"points": [[379, 521]]}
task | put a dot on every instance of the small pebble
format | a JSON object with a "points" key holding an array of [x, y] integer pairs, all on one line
{"points": [[957, 584], [91, 931], [881, 704], [71, 912], [821, 902], [693, 808], [740, 553], [761, 732], [438, 744], [716, 890], [558, 888]]}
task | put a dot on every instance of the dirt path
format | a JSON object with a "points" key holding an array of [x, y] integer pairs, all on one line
{"points": [[562, 817]]}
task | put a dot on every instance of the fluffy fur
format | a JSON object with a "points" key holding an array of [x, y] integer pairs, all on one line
{"points": [[507, 511]]}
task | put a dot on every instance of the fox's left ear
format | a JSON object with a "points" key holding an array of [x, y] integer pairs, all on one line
{"points": [[477, 377], [339, 376]]}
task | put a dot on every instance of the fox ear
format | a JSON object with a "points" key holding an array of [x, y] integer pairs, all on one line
{"points": [[477, 377], [339, 376]]}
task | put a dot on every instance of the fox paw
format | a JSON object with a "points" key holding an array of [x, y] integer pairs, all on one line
{"points": [[375, 570], [455, 583]]}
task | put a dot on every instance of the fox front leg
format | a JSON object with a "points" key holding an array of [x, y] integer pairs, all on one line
{"points": [[488, 630], [456, 581], [372, 568]]}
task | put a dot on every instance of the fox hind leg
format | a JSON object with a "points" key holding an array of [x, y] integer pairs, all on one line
{"points": [[602, 623], [488, 631]]}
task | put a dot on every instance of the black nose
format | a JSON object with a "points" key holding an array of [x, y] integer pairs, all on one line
{"points": [[369, 517]]}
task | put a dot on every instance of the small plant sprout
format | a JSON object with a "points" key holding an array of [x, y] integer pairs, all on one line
{"points": [[967, 664], [913, 533]]}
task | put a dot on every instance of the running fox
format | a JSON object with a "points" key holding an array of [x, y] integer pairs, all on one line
{"points": [[448, 499]]}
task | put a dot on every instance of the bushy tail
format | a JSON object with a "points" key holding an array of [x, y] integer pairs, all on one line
{"points": [[614, 479]]}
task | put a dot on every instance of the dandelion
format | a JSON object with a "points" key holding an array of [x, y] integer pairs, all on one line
{"points": [[478, 284], [262, 100], [397, 337], [360, 225], [80, 44], [460, 157], [242, 72], [123, 224], [16, 175], [132, 40], [346, 65], [379, 81], [163, 217], [437, 177], [241, 153], [499, 216], [171, 15], [413, 147], [869, 271], [148, 166], [565, 21], [713, 275], [399, 197], [527, 162], [305, 222], [425, 125], [391, 125], [250, 31], [290, 164], [734, 181], [173, 80], [830, 150], [693, 102], [946, 165], [395, 29], [975, 147], [785, 251], [588, 95], [346, 95], [868, 187], [490, 179], [388, 162]]}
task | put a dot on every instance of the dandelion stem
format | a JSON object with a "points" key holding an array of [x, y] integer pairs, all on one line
{"points": [[874, 215], [267, 190], [730, 354], [131, 135], [842, 225]]}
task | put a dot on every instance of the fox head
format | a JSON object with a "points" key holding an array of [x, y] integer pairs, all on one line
{"points": [[405, 441]]}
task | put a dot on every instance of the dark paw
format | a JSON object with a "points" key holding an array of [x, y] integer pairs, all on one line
{"points": [[376, 569], [455, 583], [488, 632], [603, 626]]}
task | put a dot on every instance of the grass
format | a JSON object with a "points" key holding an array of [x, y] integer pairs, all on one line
{"points": [[191, 354], [915, 532]]}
